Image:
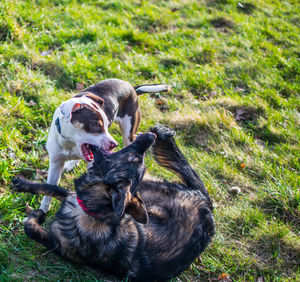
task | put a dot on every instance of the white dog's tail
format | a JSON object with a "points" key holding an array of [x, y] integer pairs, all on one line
{"points": [[152, 88]]}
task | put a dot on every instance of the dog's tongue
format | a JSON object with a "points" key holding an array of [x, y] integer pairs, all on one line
{"points": [[87, 153]]}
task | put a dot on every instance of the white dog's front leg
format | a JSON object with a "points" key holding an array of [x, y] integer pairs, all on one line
{"points": [[55, 171]]}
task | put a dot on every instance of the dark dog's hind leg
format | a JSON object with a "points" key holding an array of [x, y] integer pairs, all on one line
{"points": [[168, 155], [35, 231], [57, 192]]}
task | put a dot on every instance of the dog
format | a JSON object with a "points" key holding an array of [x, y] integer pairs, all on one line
{"points": [[85, 119], [146, 230]]}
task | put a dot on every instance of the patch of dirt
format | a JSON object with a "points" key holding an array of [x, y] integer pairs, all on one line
{"points": [[222, 24], [2, 190], [246, 113], [170, 63]]}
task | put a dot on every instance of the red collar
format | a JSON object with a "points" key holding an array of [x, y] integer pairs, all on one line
{"points": [[85, 209]]}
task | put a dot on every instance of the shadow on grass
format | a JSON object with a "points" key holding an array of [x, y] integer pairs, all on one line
{"points": [[278, 255], [246, 8], [150, 24], [5, 32], [194, 134], [217, 3], [199, 87], [147, 72], [203, 57], [222, 24], [139, 40], [62, 78], [247, 117], [264, 133], [170, 63], [287, 211]]}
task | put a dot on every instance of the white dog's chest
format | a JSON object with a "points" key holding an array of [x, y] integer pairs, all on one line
{"points": [[69, 150]]}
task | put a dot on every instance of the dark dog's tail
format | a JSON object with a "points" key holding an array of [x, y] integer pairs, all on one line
{"points": [[168, 155], [152, 88]]}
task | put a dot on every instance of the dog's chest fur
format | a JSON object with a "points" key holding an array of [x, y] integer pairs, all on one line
{"points": [[83, 238]]}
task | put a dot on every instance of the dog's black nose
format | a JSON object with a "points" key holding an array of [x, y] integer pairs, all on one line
{"points": [[112, 145]]}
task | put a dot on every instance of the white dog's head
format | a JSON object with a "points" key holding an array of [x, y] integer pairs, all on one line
{"points": [[83, 122]]}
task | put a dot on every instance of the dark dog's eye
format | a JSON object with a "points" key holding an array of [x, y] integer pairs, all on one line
{"points": [[134, 159]]}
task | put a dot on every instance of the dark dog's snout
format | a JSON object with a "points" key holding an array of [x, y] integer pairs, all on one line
{"points": [[112, 145], [99, 154]]}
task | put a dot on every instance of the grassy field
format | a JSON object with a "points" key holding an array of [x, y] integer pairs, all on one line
{"points": [[235, 73]]}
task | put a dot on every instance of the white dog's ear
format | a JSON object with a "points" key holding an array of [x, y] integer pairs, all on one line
{"points": [[96, 98], [76, 107]]}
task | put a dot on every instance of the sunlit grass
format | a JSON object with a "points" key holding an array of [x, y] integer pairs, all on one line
{"points": [[234, 70]]}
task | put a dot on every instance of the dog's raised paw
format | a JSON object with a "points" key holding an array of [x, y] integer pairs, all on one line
{"points": [[18, 184], [163, 132]]}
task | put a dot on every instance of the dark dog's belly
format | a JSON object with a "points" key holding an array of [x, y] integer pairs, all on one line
{"points": [[180, 226]]}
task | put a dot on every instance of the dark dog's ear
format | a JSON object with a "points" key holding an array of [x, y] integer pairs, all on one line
{"points": [[118, 196], [118, 201], [137, 209]]}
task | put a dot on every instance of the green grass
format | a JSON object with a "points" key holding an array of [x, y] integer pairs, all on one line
{"points": [[234, 69]]}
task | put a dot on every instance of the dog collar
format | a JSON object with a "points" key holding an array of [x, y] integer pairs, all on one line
{"points": [[58, 127], [85, 209], [57, 124]]}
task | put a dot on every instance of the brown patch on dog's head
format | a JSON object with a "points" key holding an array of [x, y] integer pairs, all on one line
{"points": [[87, 118], [95, 98]]}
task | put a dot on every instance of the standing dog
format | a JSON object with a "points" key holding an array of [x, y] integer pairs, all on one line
{"points": [[126, 226], [85, 118]]}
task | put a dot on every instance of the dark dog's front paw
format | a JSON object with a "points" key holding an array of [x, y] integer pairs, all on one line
{"points": [[18, 185], [163, 132]]}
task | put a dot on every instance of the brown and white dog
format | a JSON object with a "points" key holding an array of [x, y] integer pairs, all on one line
{"points": [[85, 118]]}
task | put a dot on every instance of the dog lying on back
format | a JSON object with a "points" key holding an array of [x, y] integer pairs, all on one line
{"points": [[123, 225]]}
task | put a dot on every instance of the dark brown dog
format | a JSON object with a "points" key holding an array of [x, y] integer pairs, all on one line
{"points": [[125, 226]]}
